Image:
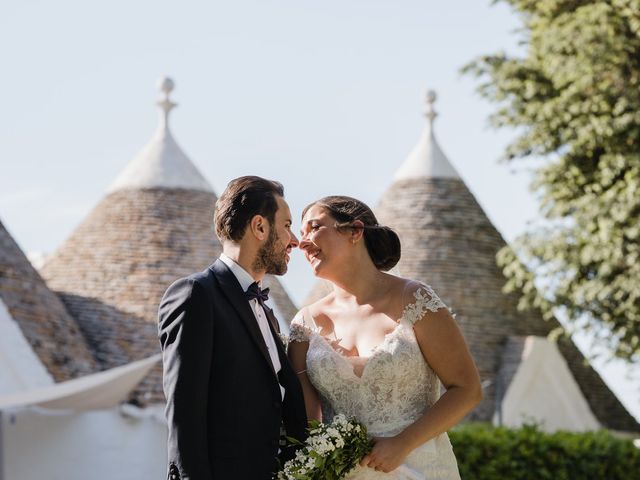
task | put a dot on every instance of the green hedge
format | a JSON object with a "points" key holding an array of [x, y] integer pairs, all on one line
{"points": [[489, 453]]}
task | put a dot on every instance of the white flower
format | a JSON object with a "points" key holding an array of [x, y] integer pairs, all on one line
{"points": [[333, 432], [322, 441]]}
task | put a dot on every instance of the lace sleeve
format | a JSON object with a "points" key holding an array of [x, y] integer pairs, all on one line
{"points": [[425, 301], [298, 331]]}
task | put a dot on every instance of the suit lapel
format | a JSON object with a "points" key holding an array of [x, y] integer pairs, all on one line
{"points": [[232, 289], [275, 331]]}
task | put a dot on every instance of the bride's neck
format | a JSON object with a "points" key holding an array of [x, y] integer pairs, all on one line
{"points": [[360, 285]]}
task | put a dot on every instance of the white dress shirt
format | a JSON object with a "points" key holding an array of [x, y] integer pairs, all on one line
{"points": [[263, 322]]}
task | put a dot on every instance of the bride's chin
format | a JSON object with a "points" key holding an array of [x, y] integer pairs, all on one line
{"points": [[314, 264], [316, 267]]}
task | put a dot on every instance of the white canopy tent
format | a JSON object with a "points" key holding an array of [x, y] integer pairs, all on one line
{"points": [[82, 429], [92, 392]]}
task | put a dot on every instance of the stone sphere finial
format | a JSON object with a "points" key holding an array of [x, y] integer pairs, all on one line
{"points": [[430, 97], [166, 85]]}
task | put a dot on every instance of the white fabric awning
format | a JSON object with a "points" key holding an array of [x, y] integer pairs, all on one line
{"points": [[92, 392]]}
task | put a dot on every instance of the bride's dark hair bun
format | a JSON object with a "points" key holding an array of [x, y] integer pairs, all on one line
{"points": [[383, 244]]}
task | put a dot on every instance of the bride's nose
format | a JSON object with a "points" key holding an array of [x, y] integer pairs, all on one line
{"points": [[304, 243]]}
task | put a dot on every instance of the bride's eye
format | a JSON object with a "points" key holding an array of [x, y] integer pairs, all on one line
{"points": [[315, 226]]}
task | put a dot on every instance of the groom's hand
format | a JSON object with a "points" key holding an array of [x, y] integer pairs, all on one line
{"points": [[386, 455]]}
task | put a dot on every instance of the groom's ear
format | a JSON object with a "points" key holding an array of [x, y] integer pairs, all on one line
{"points": [[259, 227]]}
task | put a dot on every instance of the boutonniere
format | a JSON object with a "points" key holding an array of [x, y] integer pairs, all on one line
{"points": [[285, 341]]}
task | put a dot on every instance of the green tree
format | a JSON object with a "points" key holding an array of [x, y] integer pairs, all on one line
{"points": [[573, 98]]}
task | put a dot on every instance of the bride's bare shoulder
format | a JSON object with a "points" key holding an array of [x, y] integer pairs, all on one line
{"points": [[321, 306], [408, 287], [320, 310], [401, 290]]}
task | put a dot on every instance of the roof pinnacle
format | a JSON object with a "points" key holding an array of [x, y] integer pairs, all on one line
{"points": [[161, 163], [427, 160]]}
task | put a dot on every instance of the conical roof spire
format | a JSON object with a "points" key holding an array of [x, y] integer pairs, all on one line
{"points": [[161, 163], [449, 243], [114, 268], [427, 159]]}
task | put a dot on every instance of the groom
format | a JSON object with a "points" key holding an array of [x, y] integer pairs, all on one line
{"points": [[229, 387]]}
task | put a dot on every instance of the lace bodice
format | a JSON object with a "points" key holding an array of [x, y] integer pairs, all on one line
{"points": [[395, 388]]}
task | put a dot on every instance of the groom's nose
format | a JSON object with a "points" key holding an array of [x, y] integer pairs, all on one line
{"points": [[293, 243]]}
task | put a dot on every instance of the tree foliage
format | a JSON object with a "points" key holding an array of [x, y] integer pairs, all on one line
{"points": [[574, 100]]}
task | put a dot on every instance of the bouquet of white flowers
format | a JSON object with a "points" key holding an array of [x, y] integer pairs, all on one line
{"points": [[330, 452]]}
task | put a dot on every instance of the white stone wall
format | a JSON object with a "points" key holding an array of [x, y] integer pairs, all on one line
{"points": [[20, 367], [97, 445]]}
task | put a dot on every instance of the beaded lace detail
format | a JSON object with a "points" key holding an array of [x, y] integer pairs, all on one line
{"points": [[426, 300], [299, 331], [395, 389]]}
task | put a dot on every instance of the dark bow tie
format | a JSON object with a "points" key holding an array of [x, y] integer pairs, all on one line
{"points": [[254, 291]]}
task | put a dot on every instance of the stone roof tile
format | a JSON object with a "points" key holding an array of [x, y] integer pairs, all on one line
{"points": [[43, 319], [113, 270]]}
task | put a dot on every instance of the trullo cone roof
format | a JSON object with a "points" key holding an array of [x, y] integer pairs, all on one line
{"points": [[153, 227], [449, 243], [49, 330]]}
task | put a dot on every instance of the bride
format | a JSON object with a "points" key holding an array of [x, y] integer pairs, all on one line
{"points": [[378, 347]]}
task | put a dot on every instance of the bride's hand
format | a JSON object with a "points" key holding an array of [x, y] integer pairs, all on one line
{"points": [[386, 455]]}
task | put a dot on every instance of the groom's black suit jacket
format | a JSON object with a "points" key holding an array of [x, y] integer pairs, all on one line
{"points": [[224, 405]]}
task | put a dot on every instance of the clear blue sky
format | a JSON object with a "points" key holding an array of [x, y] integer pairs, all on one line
{"points": [[323, 96]]}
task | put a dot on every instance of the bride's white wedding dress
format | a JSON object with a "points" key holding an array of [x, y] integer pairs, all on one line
{"points": [[395, 388]]}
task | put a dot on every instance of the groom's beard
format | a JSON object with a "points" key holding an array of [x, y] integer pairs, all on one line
{"points": [[269, 259]]}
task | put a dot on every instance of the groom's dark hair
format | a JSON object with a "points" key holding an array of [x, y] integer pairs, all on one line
{"points": [[244, 198]]}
